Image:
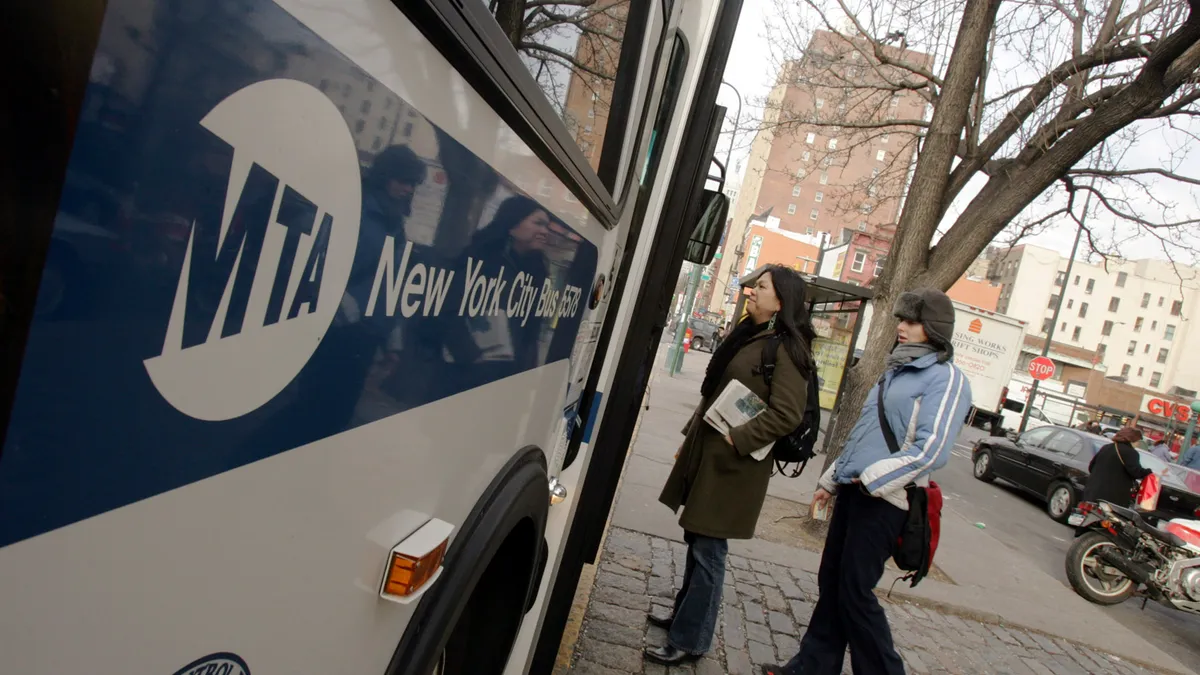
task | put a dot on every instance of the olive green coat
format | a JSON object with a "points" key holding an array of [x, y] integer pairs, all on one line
{"points": [[721, 487]]}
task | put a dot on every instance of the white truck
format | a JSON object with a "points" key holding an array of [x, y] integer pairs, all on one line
{"points": [[986, 348]]}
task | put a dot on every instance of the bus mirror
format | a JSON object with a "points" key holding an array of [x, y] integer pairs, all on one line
{"points": [[706, 236]]}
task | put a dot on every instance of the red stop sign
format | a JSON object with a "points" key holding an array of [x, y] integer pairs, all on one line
{"points": [[1041, 368]]}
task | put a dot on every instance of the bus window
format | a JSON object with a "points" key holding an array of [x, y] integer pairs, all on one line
{"points": [[575, 55]]}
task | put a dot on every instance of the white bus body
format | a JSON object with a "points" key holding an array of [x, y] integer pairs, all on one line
{"points": [[263, 357]]}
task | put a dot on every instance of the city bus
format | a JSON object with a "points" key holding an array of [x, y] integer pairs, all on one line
{"points": [[326, 324]]}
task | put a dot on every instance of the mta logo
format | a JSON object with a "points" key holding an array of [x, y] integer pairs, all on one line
{"points": [[266, 263]]}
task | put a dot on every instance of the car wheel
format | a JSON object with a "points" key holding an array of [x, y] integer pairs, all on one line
{"points": [[983, 466], [1060, 501], [697, 343]]}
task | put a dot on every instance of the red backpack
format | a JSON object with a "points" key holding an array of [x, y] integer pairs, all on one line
{"points": [[923, 527]]}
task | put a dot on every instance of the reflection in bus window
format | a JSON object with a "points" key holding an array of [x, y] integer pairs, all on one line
{"points": [[573, 52]]}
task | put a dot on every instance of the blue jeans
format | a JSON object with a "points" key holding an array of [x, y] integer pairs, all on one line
{"points": [[699, 599]]}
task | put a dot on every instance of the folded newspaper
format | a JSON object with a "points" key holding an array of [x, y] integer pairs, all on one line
{"points": [[735, 406]]}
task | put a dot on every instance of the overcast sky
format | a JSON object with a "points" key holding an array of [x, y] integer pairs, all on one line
{"points": [[750, 69]]}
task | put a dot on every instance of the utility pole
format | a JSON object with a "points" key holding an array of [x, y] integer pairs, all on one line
{"points": [[1054, 322]]}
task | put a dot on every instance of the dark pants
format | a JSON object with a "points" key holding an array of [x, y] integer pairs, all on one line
{"points": [[699, 599], [861, 538]]}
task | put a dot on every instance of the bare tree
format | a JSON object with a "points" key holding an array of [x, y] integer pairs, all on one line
{"points": [[568, 44], [1025, 105]]}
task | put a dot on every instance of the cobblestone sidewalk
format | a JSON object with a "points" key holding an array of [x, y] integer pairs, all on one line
{"points": [[765, 609]]}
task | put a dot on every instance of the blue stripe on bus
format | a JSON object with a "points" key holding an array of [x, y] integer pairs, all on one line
{"points": [[125, 389]]}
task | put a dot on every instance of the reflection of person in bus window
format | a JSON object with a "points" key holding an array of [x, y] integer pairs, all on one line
{"points": [[514, 240]]}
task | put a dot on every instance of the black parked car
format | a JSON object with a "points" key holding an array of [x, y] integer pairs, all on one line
{"points": [[1051, 462]]}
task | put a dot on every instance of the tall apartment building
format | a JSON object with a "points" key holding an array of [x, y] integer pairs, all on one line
{"points": [[1136, 314], [810, 165]]}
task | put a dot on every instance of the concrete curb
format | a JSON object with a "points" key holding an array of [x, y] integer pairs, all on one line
{"points": [[972, 614]]}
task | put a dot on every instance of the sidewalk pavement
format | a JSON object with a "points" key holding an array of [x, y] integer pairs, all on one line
{"points": [[998, 616]]}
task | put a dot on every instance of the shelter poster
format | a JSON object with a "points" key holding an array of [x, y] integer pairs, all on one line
{"points": [[830, 357]]}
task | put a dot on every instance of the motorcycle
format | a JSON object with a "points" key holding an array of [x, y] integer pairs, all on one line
{"points": [[1117, 553]]}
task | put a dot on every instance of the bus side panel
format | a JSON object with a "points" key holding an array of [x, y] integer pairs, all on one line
{"points": [[279, 318]]}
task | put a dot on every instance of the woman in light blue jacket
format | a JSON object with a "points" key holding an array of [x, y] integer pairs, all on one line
{"points": [[925, 400]]}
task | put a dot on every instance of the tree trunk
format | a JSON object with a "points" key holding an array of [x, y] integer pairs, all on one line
{"points": [[922, 211], [510, 14]]}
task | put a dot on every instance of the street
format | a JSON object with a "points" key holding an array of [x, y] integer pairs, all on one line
{"points": [[1020, 522], [1002, 606]]}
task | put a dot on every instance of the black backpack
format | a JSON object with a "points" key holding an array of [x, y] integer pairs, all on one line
{"points": [[797, 447]]}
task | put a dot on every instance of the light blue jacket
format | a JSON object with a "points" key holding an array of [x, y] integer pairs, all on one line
{"points": [[1191, 457], [926, 403]]}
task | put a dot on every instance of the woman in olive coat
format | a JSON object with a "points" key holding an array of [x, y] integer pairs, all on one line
{"points": [[715, 479]]}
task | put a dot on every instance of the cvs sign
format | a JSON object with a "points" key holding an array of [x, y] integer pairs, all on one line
{"points": [[1165, 408]]}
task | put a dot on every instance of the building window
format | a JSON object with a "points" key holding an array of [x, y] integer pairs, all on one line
{"points": [[1083, 310], [833, 144], [808, 231], [1125, 370], [879, 265], [1140, 371], [810, 138], [860, 261], [791, 209], [1137, 325], [820, 103], [895, 100], [884, 138], [865, 208], [819, 197], [1062, 327], [1047, 324], [1176, 308], [1122, 277], [1070, 304], [1145, 300], [1147, 349], [1091, 284], [1114, 304], [826, 161], [1107, 329], [1155, 379], [1075, 334], [795, 190], [1053, 302], [376, 144], [824, 178], [366, 106], [1100, 352], [1076, 279], [1160, 301], [382, 123], [881, 155], [1162, 355], [591, 113], [1132, 348], [1060, 278], [1153, 325], [806, 156], [408, 129], [1169, 332], [862, 226], [359, 126]]}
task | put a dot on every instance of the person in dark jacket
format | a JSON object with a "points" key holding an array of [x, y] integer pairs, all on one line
{"points": [[1114, 469], [720, 486]]}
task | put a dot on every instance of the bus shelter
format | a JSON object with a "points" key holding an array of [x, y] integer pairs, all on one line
{"points": [[838, 315]]}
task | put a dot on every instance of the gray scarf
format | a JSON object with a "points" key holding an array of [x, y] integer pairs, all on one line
{"points": [[907, 352]]}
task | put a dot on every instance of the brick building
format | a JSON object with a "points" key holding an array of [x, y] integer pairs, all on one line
{"points": [[825, 162]]}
